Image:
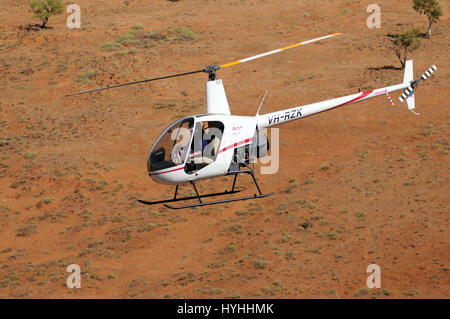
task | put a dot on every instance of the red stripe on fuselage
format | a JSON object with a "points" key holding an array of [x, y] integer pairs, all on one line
{"points": [[173, 170], [363, 95], [247, 140]]}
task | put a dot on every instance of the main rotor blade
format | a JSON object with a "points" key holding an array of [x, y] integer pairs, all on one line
{"points": [[278, 50], [135, 82], [211, 68]]}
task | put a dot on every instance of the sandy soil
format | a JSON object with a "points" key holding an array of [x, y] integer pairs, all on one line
{"points": [[367, 183]]}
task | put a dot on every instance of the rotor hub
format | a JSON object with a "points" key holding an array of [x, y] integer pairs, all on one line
{"points": [[211, 70]]}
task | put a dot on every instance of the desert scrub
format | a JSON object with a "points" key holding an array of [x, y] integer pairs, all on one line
{"points": [[128, 51], [381, 292], [17, 184], [215, 265], [260, 263], [131, 37], [361, 292], [155, 36], [24, 231], [44, 201], [285, 237], [148, 227], [411, 293], [30, 155], [360, 214], [333, 235], [110, 46], [5, 141], [236, 228], [230, 248], [86, 214], [324, 167], [87, 76], [137, 37], [210, 291], [164, 105], [182, 34]]}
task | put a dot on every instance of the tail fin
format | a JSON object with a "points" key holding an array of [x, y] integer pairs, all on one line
{"points": [[409, 74], [408, 93]]}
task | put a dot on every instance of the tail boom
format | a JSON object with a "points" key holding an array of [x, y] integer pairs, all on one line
{"points": [[280, 117], [408, 86]]}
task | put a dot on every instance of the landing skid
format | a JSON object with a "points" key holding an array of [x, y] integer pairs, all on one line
{"points": [[199, 197], [219, 201], [184, 198]]}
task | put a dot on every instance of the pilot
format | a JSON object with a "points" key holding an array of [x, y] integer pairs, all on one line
{"points": [[209, 146]]}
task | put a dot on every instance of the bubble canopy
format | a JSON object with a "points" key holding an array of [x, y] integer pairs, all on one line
{"points": [[171, 147]]}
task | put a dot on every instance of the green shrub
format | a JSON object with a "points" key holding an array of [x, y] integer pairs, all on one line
{"points": [[406, 43], [43, 9], [110, 46], [431, 8]]}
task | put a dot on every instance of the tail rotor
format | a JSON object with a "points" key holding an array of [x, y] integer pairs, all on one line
{"points": [[409, 91]]}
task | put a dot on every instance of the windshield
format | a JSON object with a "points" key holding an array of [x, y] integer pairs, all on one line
{"points": [[171, 147]]}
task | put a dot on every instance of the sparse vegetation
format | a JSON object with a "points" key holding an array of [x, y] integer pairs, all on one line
{"points": [[360, 214], [405, 43], [110, 46], [72, 169], [148, 227], [236, 228], [137, 37], [87, 76], [260, 263], [44, 9], [182, 34], [381, 292], [431, 8], [24, 231], [411, 293], [362, 292]]}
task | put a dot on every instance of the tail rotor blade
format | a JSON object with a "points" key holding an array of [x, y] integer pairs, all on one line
{"points": [[277, 50], [409, 91], [428, 72], [406, 93]]}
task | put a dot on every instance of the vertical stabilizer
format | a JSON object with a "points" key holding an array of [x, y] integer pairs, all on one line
{"points": [[409, 72], [409, 91]]}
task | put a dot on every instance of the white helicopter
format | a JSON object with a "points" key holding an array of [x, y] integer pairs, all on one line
{"points": [[218, 144]]}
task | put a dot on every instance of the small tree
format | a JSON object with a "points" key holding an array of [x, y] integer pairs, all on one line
{"points": [[405, 43], [431, 8], [43, 9]]}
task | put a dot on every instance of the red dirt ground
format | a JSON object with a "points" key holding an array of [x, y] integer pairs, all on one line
{"points": [[71, 168]]}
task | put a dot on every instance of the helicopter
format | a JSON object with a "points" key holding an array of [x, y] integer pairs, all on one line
{"points": [[217, 143]]}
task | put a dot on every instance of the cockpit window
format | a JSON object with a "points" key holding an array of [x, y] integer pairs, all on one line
{"points": [[205, 145], [171, 147]]}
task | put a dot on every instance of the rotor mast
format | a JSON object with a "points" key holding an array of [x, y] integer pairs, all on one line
{"points": [[211, 70]]}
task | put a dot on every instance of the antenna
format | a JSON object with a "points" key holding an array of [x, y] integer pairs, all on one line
{"points": [[262, 101]]}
